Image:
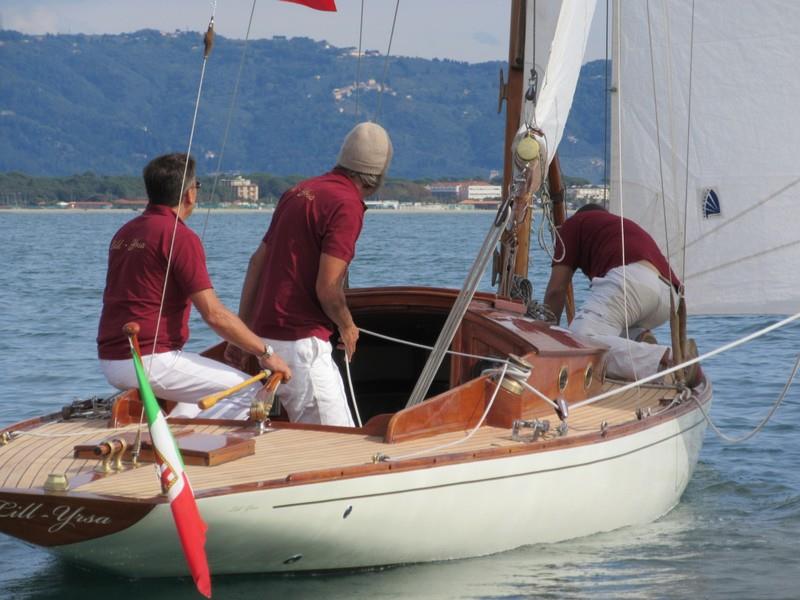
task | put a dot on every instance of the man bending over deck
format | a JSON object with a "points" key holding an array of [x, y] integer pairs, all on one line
{"points": [[293, 294], [137, 271], [591, 240]]}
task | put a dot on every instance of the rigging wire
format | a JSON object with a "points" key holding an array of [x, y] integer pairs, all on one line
{"points": [[688, 137], [622, 216], [606, 115], [358, 61], [386, 64], [658, 134], [683, 365], [230, 118], [209, 41]]}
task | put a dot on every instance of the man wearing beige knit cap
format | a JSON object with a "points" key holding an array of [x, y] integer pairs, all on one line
{"points": [[293, 294]]}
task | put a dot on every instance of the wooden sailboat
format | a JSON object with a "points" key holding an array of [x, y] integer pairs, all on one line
{"points": [[502, 450]]}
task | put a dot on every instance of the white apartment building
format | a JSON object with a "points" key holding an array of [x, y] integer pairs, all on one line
{"points": [[238, 189]]}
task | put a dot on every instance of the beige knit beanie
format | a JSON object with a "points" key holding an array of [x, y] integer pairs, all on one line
{"points": [[366, 149]]}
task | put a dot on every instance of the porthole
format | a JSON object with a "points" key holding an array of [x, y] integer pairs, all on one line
{"points": [[588, 375], [563, 378]]}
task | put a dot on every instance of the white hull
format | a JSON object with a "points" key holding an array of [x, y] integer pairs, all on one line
{"points": [[447, 512]]}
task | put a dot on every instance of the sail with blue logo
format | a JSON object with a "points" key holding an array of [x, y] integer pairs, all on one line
{"points": [[710, 203]]}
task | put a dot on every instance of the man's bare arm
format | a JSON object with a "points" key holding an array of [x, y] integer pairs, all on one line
{"points": [[556, 293], [233, 330], [250, 286], [330, 293]]}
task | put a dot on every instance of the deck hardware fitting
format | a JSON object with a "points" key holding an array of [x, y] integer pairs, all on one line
{"points": [[379, 457], [562, 408], [259, 413], [562, 429], [537, 427], [5, 438], [117, 456], [604, 428], [643, 412], [520, 363], [104, 466], [512, 386], [56, 482]]}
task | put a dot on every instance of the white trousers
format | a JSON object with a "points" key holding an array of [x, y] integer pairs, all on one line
{"points": [[603, 316], [185, 378], [316, 392]]}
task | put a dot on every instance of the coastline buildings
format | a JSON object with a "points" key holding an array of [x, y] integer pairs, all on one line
{"points": [[238, 189], [475, 194]]}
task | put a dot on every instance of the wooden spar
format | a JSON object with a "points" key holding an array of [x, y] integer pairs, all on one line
{"points": [[513, 96], [556, 187]]}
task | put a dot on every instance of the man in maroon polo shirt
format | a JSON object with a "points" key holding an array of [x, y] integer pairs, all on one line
{"points": [[293, 294], [137, 270], [591, 240]]}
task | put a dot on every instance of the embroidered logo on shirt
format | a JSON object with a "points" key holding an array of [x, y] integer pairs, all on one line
{"points": [[307, 194], [134, 244]]}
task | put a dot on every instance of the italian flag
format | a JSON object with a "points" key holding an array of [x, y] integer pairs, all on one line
{"points": [[174, 482]]}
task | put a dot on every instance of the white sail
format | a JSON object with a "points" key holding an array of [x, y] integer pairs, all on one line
{"points": [[704, 145], [569, 35]]}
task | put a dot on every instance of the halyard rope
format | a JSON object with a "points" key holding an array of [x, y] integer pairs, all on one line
{"points": [[352, 391], [424, 347]]}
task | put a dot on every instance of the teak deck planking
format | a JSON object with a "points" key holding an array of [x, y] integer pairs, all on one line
{"points": [[26, 462]]}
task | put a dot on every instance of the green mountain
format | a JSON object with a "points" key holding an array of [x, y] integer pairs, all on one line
{"points": [[107, 103]]}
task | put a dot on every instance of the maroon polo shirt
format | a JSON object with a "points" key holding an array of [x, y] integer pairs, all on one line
{"points": [[137, 262], [592, 242], [323, 214]]}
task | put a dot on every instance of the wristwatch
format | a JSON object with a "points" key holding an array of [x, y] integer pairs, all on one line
{"points": [[268, 352]]}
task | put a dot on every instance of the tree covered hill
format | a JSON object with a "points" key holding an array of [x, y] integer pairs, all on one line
{"points": [[108, 103]]}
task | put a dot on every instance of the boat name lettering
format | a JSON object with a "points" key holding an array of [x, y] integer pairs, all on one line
{"points": [[12, 510], [62, 516], [69, 515]]}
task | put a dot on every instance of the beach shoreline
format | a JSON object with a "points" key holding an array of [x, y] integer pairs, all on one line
{"points": [[372, 211]]}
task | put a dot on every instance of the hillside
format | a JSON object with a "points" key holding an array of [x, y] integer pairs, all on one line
{"points": [[107, 103]]}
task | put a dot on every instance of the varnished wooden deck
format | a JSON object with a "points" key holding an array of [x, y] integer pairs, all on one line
{"points": [[26, 462]]}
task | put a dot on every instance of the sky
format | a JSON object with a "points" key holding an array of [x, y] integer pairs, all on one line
{"points": [[466, 30]]}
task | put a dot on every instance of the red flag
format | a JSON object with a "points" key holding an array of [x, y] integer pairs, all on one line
{"points": [[328, 5]]}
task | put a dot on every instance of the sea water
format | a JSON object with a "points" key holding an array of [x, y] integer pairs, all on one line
{"points": [[735, 534]]}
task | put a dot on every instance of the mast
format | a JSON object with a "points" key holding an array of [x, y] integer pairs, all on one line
{"points": [[519, 237]]}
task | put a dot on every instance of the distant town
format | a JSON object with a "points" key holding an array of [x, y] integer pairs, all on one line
{"points": [[239, 192]]}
